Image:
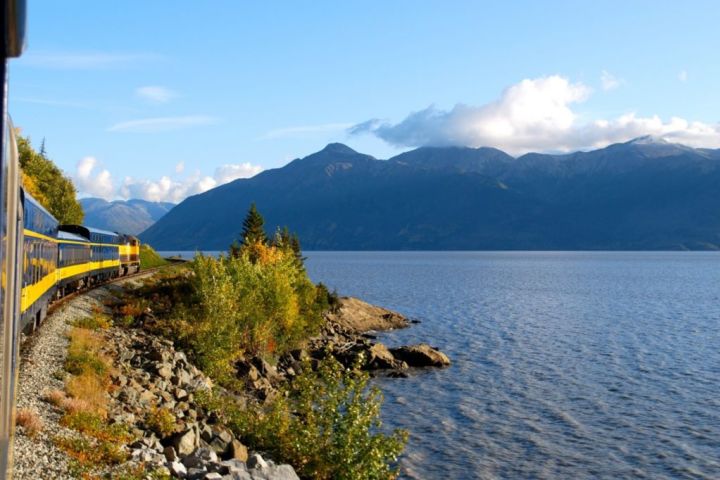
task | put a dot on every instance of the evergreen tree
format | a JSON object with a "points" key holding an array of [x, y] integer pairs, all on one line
{"points": [[254, 227]]}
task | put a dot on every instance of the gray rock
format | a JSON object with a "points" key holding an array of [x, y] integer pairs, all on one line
{"points": [[213, 476], [185, 442], [177, 469], [421, 355], [199, 457], [196, 473], [282, 472], [256, 461]]}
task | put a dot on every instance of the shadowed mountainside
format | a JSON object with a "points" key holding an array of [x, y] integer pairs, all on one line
{"points": [[643, 194]]}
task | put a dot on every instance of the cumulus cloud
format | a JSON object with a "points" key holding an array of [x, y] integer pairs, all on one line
{"points": [[92, 182], [155, 94], [230, 171], [609, 81], [162, 124], [95, 183], [167, 189], [533, 115]]}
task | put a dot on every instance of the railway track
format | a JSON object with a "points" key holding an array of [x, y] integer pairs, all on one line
{"points": [[27, 339], [61, 301]]}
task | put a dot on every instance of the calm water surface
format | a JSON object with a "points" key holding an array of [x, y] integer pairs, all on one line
{"points": [[566, 365]]}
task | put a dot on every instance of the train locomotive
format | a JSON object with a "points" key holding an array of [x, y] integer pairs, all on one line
{"points": [[60, 259]]}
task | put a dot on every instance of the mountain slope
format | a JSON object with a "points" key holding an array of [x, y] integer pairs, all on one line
{"points": [[131, 216], [643, 194]]}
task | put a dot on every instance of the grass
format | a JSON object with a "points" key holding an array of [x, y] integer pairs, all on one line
{"points": [[97, 444], [149, 258], [30, 421], [94, 322]]}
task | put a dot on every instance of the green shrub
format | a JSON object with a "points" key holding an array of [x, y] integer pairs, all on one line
{"points": [[258, 303], [149, 258], [161, 421], [94, 322], [326, 425]]}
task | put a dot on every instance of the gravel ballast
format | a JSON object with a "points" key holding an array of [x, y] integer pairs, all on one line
{"points": [[43, 356]]}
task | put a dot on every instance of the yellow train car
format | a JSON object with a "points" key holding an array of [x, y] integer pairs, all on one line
{"points": [[129, 254]]}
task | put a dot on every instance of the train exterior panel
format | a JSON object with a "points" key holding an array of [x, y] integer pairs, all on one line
{"points": [[40, 253], [60, 259], [129, 254]]}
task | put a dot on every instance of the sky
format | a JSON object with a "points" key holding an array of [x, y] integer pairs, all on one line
{"points": [[164, 99]]}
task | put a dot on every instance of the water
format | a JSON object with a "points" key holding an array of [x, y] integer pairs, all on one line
{"points": [[565, 365]]}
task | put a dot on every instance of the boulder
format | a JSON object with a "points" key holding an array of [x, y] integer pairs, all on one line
{"points": [[379, 357], [185, 442], [356, 316], [257, 461], [177, 469], [421, 355], [236, 451]]}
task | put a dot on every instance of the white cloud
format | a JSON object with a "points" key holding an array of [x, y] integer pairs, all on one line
{"points": [[683, 76], [229, 172], [609, 81], [162, 124], [86, 60], [304, 130], [167, 189], [155, 94], [98, 185], [533, 115], [180, 167]]}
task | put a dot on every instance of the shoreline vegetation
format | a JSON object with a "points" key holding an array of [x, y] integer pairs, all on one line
{"points": [[294, 352]]}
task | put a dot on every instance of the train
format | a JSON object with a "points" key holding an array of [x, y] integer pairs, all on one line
{"points": [[60, 259]]}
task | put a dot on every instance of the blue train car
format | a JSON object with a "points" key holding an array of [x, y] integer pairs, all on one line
{"points": [[40, 252]]}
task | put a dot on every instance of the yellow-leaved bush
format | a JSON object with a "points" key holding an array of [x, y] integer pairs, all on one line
{"points": [[260, 302]]}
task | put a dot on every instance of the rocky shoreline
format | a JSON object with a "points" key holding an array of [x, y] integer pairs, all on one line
{"points": [[155, 391]]}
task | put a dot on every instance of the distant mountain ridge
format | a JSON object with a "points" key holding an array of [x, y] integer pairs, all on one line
{"points": [[646, 194], [126, 216]]}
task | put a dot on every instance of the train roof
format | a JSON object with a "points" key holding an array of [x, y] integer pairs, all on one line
{"points": [[102, 232], [71, 236], [92, 234], [29, 198]]}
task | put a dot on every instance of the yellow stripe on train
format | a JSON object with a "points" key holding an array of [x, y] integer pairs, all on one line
{"points": [[32, 293]]}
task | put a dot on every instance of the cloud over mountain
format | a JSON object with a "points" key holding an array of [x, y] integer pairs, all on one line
{"points": [[533, 115], [91, 180]]}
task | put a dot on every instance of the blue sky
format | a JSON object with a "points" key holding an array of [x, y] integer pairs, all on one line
{"points": [[183, 95]]}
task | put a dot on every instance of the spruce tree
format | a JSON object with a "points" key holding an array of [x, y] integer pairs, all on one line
{"points": [[253, 227]]}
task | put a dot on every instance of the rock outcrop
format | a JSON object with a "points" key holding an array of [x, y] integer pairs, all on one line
{"points": [[357, 316], [422, 355]]}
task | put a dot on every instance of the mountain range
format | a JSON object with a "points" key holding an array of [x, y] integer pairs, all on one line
{"points": [[645, 194], [126, 216]]}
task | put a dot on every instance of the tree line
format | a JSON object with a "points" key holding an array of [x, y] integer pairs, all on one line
{"points": [[48, 184]]}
